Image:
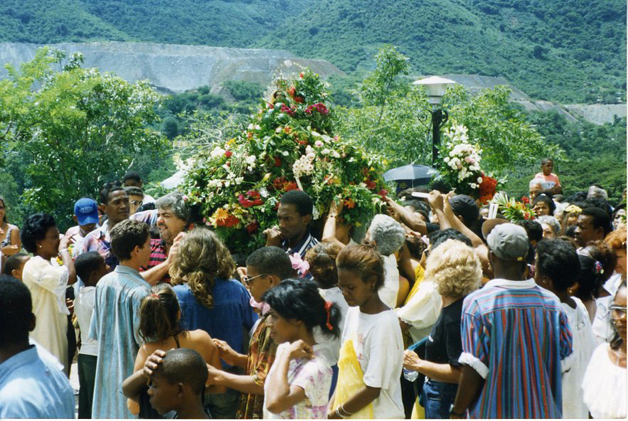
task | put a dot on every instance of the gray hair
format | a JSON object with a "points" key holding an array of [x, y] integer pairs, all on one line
{"points": [[551, 221], [174, 203], [387, 233], [597, 192], [534, 182]]}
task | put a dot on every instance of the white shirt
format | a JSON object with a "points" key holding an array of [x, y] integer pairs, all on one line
{"points": [[422, 311], [604, 386], [328, 345], [84, 308], [583, 346], [389, 291], [379, 347]]}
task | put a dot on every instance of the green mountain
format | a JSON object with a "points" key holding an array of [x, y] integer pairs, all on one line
{"points": [[570, 51], [228, 23]]}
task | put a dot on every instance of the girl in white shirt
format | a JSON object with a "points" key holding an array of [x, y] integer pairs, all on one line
{"points": [[299, 380]]}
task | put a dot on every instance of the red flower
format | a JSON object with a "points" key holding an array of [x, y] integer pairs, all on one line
{"points": [[349, 203], [287, 110], [299, 99], [228, 154], [525, 200], [292, 91], [252, 193], [383, 193], [252, 227], [290, 186], [370, 184], [277, 161], [278, 183], [301, 75], [249, 135], [303, 142]]}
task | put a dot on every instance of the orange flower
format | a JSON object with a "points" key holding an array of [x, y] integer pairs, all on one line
{"points": [[349, 203]]}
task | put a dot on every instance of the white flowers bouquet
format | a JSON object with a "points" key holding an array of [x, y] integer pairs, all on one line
{"points": [[461, 163]]}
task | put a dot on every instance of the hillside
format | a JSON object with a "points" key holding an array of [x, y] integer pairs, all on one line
{"points": [[571, 51]]}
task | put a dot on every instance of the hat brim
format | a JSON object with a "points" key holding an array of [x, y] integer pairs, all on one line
{"points": [[489, 224], [87, 219]]}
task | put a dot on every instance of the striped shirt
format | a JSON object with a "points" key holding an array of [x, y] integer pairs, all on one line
{"points": [[304, 245], [516, 335], [158, 255]]}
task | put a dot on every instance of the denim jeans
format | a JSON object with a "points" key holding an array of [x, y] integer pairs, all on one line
{"points": [[437, 398]]}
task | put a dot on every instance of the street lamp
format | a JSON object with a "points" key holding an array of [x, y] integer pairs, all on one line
{"points": [[435, 87]]}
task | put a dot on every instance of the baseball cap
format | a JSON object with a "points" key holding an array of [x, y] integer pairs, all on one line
{"points": [[86, 211], [508, 242]]}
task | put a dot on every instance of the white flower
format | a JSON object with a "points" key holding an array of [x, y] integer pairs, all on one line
{"points": [[217, 152], [335, 154], [263, 192], [251, 127], [473, 185], [278, 130], [309, 150], [285, 153], [480, 180], [325, 151]]}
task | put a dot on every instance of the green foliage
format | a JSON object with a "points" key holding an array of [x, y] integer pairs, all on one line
{"points": [[568, 51], [244, 91], [396, 125], [593, 154], [72, 130]]}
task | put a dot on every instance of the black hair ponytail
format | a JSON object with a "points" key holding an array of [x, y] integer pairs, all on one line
{"points": [[299, 299]]}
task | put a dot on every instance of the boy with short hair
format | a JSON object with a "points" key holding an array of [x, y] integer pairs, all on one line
{"points": [[178, 384], [90, 267], [115, 321], [14, 265]]}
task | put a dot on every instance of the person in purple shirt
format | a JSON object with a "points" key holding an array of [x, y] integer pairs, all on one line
{"points": [[212, 301]]}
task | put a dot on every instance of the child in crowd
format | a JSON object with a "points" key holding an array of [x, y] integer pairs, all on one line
{"points": [[557, 268], [160, 317], [371, 356], [300, 378], [15, 265], [90, 267], [549, 180], [178, 384]]}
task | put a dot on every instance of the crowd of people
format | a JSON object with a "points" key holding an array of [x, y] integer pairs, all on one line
{"points": [[435, 311]]}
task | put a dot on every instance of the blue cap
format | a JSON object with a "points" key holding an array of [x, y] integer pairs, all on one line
{"points": [[86, 211]]}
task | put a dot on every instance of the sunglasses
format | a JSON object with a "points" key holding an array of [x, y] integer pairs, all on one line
{"points": [[247, 280], [618, 311]]}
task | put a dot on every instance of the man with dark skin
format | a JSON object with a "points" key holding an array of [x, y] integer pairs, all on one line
{"points": [[294, 215], [593, 224], [115, 204], [492, 326]]}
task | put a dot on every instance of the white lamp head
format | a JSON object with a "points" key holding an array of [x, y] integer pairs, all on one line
{"points": [[435, 87]]}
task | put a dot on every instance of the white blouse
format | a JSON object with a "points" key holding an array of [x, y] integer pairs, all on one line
{"points": [[604, 386]]}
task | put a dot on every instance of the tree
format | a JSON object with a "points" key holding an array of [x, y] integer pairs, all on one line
{"points": [[73, 129]]}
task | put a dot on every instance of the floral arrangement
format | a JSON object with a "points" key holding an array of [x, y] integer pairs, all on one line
{"points": [[461, 166], [289, 144], [513, 210]]}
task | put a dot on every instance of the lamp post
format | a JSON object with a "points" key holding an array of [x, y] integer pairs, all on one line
{"points": [[435, 87]]}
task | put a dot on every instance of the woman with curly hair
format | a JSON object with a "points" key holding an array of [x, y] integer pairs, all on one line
{"points": [[211, 299], [456, 271], [48, 283], [160, 328]]}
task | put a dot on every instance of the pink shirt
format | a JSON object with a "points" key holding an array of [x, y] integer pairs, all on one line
{"points": [[549, 181]]}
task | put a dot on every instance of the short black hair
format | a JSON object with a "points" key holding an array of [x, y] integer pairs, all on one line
{"points": [[440, 184], [271, 260], [300, 199], [547, 199], [87, 263], [134, 191], [132, 175], [533, 228], [16, 311], [299, 299], [546, 160], [439, 237], [186, 366], [34, 229], [13, 263], [599, 218], [558, 260], [126, 235], [107, 189], [465, 207]]}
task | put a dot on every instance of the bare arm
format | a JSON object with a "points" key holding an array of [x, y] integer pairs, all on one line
{"points": [[329, 231], [360, 400], [228, 355], [132, 386], [157, 273], [405, 264], [440, 372], [411, 219], [471, 384], [15, 243], [281, 395], [244, 384], [67, 259]]}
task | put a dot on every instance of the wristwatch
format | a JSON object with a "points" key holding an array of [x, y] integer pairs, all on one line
{"points": [[451, 411]]}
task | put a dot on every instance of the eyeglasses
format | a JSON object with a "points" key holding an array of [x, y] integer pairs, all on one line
{"points": [[137, 203], [617, 311], [247, 281]]}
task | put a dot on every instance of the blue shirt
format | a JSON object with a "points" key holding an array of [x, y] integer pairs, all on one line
{"points": [[32, 387], [115, 324], [516, 335], [231, 316]]}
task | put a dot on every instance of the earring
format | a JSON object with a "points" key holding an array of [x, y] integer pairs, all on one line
{"points": [[39, 245]]}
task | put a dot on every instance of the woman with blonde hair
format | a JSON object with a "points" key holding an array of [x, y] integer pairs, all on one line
{"points": [[456, 271], [212, 300]]}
